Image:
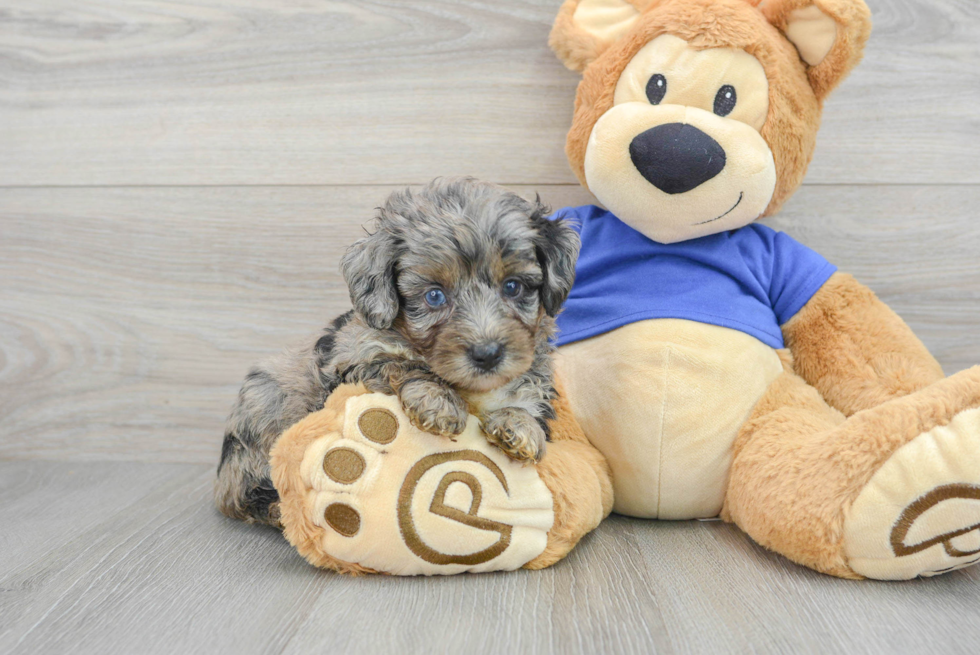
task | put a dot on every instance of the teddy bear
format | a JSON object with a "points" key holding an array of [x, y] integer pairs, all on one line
{"points": [[723, 368], [708, 366]]}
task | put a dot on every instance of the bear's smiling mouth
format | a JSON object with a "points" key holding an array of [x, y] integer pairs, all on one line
{"points": [[712, 220]]}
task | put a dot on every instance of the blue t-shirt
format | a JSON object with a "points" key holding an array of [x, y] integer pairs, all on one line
{"points": [[752, 279]]}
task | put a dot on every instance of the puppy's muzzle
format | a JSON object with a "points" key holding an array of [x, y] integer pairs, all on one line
{"points": [[486, 356], [676, 157]]}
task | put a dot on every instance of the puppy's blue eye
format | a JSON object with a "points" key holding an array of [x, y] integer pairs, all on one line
{"points": [[435, 298], [512, 288]]}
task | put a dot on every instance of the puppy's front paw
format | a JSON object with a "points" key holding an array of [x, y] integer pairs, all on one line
{"points": [[515, 432], [434, 407]]}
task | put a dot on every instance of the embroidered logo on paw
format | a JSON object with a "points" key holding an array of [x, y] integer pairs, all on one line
{"points": [[392, 498], [915, 530], [439, 507], [919, 514]]}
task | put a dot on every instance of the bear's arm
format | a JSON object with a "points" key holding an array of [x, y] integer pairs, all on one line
{"points": [[854, 349]]}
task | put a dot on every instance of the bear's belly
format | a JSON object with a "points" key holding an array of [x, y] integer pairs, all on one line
{"points": [[663, 400]]}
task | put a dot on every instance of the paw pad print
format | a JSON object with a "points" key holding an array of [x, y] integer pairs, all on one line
{"points": [[344, 465], [343, 518], [378, 425]]}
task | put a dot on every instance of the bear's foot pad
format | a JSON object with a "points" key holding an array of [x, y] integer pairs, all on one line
{"points": [[919, 515], [363, 486]]}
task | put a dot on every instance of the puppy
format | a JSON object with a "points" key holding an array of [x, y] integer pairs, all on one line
{"points": [[454, 297]]}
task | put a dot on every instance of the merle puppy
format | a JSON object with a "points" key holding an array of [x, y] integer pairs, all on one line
{"points": [[454, 297]]}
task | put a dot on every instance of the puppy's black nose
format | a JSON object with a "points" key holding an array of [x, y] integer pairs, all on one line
{"points": [[486, 355], [676, 157]]}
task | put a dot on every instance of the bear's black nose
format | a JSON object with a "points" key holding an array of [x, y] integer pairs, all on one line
{"points": [[486, 356], [676, 157]]}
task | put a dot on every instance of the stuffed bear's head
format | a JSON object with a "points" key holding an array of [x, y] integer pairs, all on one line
{"points": [[699, 116]]}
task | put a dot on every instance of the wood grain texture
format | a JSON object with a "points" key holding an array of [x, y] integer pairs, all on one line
{"points": [[128, 317], [132, 306], [357, 92], [168, 574], [41, 505]]}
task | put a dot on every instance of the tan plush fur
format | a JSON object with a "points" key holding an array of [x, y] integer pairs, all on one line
{"points": [[574, 46], [855, 350], [799, 463], [578, 478], [853, 29], [794, 106]]}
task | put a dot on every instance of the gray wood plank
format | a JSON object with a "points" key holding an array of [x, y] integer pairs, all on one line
{"points": [[215, 92], [726, 592], [128, 317], [45, 505], [168, 574], [595, 601]]}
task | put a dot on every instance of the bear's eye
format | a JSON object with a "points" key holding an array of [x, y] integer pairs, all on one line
{"points": [[725, 100], [656, 88]]}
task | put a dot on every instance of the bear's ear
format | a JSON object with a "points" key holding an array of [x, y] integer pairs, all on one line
{"points": [[829, 35], [585, 28]]}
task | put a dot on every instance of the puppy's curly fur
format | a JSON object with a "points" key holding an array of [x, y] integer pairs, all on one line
{"points": [[454, 299]]}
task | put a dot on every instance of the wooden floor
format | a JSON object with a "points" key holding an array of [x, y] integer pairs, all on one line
{"points": [[177, 181]]}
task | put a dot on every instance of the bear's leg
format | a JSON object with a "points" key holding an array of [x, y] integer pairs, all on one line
{"points": [[363, 491], [892, 492]]}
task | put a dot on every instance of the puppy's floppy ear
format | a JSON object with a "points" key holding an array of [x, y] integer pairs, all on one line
{"points": [[369, 270], [829, 35], [584, 29], [557, 246]]}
